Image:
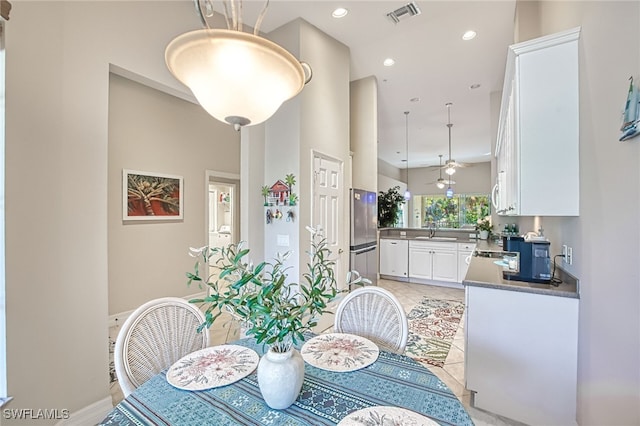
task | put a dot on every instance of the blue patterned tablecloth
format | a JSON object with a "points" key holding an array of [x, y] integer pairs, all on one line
{"points": [[326, 398]]}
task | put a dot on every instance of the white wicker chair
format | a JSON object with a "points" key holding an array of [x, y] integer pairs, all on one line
{"points": [[376, 314], [153, 337]]}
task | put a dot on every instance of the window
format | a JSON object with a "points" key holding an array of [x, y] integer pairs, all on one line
{"points": [[461, 211]]}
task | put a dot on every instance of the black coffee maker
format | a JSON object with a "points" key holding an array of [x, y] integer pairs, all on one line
{"points": [[534, 261]]}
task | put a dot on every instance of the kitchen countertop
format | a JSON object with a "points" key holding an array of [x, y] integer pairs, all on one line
{"points": [[482, 245], [483, 272]]}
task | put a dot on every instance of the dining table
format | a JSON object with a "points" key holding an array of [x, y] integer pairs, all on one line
{"points": [[326, 398]]}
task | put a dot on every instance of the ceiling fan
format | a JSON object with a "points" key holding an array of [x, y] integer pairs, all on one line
{"points": [[451, 165], [440, 183]]}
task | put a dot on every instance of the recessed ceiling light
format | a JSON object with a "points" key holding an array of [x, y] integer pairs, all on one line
{"points": [[469, 35], [474, 86], [340, 12], [389, 62], [414, 100]]}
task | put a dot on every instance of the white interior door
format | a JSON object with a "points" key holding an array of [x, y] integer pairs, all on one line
{"points": [[222, 213], [329, 209]]}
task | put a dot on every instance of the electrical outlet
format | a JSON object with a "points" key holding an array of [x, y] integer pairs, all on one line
{"points": [[564, 253], [570, 255]]}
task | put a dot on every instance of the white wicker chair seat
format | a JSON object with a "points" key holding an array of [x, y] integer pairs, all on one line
{"points": [[374, 313], [153, 337]]}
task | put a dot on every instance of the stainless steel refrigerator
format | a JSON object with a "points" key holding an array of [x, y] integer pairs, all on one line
{"points": [[363, 243]]}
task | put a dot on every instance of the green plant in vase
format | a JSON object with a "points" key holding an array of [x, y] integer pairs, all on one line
{"points": [[484, 226], [276, 311], [389, 203]]}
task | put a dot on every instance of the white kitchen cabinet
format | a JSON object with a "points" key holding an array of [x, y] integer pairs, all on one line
{"points": [[465, 250], [394, 257], [537, 149], [433, 261], [420, 259], [521, 354]]}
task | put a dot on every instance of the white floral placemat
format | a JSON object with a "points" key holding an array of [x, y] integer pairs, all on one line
{"points": [[340, 352], [212, 367], [386, 416]]}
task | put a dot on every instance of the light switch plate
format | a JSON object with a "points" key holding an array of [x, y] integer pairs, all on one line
{"points": [[283, 240]]}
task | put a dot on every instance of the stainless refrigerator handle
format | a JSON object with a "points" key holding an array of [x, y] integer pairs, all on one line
{"points": [[364, 250]]}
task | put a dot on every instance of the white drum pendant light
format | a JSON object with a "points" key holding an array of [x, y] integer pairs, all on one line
{"points": [[238, 78]]}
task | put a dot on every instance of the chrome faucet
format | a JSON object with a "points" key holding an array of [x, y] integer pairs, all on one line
{"points": [[432, 229]]}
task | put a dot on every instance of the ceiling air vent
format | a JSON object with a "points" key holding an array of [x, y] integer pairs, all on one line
{"points": [[407, 11]]}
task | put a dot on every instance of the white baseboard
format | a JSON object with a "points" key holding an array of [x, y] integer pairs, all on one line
{"points": [[120, 318], [89, 415]]}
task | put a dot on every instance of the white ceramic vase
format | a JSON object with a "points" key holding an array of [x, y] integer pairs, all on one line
{"points": [[280, 376], [484, 235]]}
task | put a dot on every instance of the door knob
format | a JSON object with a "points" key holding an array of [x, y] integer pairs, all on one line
{"points": [[340, 251]]}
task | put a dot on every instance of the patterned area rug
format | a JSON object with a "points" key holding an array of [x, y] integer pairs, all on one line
{"points": [[432, 326]]}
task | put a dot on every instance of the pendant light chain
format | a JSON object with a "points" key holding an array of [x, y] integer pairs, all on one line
{"points": [[449, 125], [406, 153]]}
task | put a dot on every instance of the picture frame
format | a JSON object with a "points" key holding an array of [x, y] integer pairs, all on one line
{"points": [[152, 196]]}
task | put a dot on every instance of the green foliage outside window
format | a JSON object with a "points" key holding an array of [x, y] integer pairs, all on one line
{"points": [[463, 210]]}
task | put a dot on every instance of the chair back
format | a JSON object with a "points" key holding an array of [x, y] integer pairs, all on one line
{"points": [[154, 336], [374, 313]]}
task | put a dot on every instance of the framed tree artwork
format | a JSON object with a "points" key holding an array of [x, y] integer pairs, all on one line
{"points": [[151, 196]]}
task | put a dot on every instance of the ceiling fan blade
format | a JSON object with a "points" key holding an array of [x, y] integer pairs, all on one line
{"points": [[454, 163], [442, 180]]}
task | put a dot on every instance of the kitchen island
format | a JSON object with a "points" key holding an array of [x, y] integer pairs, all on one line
{"points": [[521, 344]]}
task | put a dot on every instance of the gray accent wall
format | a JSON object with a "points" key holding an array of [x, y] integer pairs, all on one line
{"points": [[152, 131]]}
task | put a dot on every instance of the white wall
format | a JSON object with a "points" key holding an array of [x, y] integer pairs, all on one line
{"points": [[155, 132], [252, 176], [56, 185], [606, 247], [473, 179], [386, 169], [315, 120], [364, 133]]}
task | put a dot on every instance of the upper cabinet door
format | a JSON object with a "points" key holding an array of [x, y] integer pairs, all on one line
{"points": [[538, 132]]}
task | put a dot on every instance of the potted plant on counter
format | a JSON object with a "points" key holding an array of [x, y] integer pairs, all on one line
{"points": [[484, 227], [276, 312]]}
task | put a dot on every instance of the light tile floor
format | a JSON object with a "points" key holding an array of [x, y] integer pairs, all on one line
{"points": [[452, 373]]}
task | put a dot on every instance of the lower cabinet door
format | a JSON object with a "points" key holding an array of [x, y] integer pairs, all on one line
{"points": [[445, 265], [420, 263], [463, 266]]}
